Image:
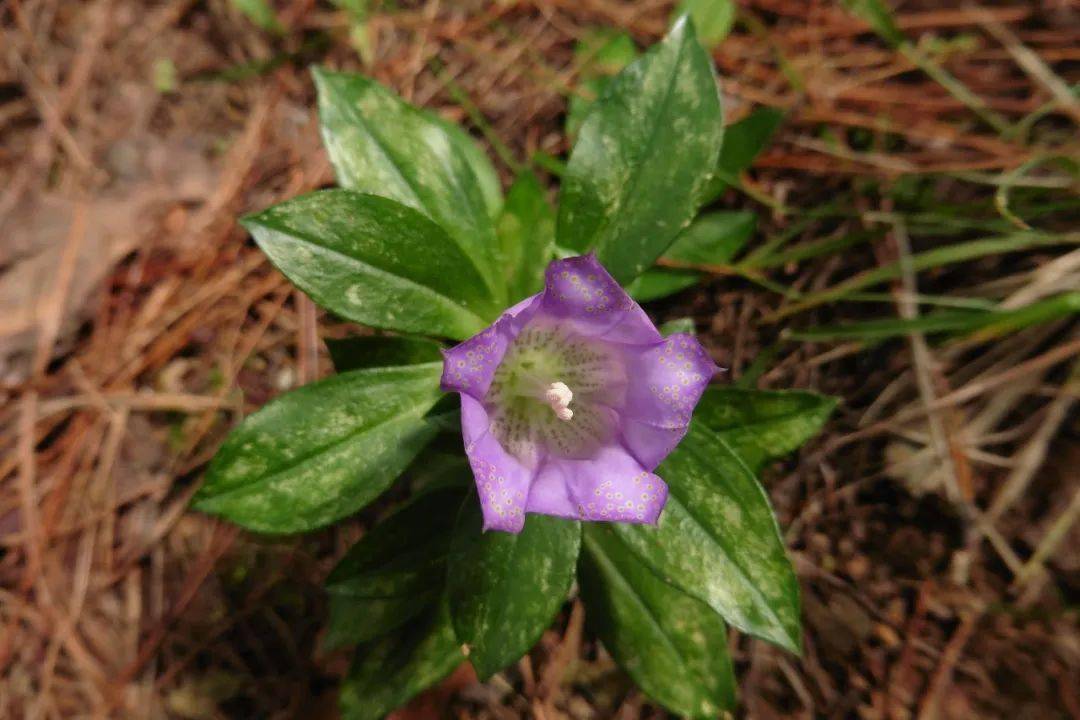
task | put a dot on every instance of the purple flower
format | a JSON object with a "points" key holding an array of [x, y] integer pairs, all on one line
{"points": [[570, 401]]}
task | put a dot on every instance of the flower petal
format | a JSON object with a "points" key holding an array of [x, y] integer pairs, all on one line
{"points": [[580, 292], [502, 481], [669, 379], [612, 486], [649, 443], [469, 366], [549, 495]]}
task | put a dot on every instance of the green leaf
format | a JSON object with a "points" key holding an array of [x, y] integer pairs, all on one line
{"points": [[368, 351], [761, 425], [441, 464], [504, 589], [988, 322], [656, 283], [486, 176], [644, 153], [713, 18], [937, 257], [604, 51], [380, 144], [746, 139], [743, 141], [600, 54], [394, 572], [375, 261], [260, 13], [678, 325], [391, 671], [526, 232], [718, 540], [713, 238], [880, 18], [445, 416], [323, 451], [673, 645], [359, 9], [164, 76], [579, 104]]}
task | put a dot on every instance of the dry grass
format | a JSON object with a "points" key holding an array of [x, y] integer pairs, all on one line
{"points": [[934, 525]]}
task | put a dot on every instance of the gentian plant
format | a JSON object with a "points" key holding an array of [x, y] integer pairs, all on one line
{"points": [[564, 435]]}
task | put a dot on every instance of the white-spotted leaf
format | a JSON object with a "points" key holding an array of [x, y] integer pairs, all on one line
{"points": [[323, 451], [644, 153]]}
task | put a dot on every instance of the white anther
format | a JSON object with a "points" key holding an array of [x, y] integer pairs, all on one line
{"points": [[558, 396]]}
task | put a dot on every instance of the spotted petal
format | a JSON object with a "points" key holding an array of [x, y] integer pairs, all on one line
{"points": [[579, 292], [611, 486], [502, 481], [468, 367], [668, 380]]}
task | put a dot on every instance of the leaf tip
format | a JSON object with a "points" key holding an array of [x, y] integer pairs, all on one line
{"points": [[325, 79], [204, 502], [249, 221], [681, 24], [793, 642], [319, 73], [484, 669]]}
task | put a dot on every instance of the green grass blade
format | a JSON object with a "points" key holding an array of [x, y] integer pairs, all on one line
{"points": [[938, 257]]}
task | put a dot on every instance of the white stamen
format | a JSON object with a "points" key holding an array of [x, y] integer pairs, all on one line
{"points": [[558, 396]]}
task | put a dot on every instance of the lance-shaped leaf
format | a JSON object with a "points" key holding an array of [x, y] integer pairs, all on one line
{"points": [[392, 670], [323, 451], [718, 540], [673, 645], [600, 54], [395, 572], [505, 588], [260, 13], [743, 141], [486, 176], [657, 282], [368, 351], [713, 18], [526, 236], [675, 326], [380, 144], [761, 425], [644, 153], [441, 465], [713, 238], [375, 261]]}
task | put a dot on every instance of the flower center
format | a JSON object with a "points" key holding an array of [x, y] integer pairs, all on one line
{"points": [[528, 380], [554, 392]]}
